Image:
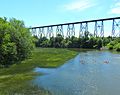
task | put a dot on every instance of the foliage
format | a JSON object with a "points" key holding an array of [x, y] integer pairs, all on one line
{"points": [[15, 41], [117, 47], [86, 41], [115, 44]]}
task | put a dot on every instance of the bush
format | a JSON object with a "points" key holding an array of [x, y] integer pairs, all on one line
{"points": [[15, 41], [117, 47], [99, 43], [115, 44], [110, 47]]}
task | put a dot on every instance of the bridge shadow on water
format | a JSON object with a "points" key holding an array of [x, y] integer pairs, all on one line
{"points": [[89, 73]]}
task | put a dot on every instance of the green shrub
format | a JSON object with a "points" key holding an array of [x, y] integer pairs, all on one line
{"points": [[15, 41], [115, 44], [110, 46], [117, 47]]}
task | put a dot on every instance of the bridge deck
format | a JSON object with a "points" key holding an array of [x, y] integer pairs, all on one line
{"points": [[76, 22]]}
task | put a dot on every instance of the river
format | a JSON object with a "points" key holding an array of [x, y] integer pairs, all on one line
{"points": [[89, 73]]}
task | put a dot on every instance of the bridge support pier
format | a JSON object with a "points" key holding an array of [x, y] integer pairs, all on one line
{"points": [[116, 28], [99, 29], [83, 29], [34, 32], [50, 32], [70, 30], [59, 30], [41, 32]]}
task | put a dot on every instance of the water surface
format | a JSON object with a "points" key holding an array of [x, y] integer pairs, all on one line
{"points": [[89, 73]]}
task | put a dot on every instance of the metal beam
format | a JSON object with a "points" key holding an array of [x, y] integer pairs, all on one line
{"points": [[76, 22]]}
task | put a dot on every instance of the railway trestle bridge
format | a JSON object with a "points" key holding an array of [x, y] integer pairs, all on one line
{"points": [[69, 29]]}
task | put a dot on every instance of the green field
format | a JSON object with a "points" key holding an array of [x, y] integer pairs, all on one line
{"points": [[16, 78]]}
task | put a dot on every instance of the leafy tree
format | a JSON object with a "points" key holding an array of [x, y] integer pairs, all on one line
{"points": [[99, 43], [15, 41], [110, 46], [117, 47], [105, 41], [75, 42], [115, 44], [58, 41], [91, 43], [52, 42], [45, 43], [63, 43], [36, 40]]}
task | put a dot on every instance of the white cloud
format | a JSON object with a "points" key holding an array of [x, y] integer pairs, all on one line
{"points": [[115, 9], [117, 4], [79, 5]]}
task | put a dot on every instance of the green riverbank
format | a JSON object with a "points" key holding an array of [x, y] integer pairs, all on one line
{"points": [[16, 78]]}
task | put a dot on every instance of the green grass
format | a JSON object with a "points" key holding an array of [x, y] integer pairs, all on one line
{"points": [[16, 78]]}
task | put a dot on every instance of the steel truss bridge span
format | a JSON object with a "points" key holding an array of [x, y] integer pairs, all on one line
{"points": [[79, 28]]}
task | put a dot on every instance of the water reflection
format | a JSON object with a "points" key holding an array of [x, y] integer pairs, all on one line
{"points": [[89, 73]]}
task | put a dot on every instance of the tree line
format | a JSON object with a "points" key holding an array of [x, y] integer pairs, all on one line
{"points": [[87, 41]]}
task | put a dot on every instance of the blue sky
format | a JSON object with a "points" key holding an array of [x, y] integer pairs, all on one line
{"points": [[45, 12]]}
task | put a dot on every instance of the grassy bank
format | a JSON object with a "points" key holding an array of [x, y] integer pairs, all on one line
{"points": [[15, 79]]}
